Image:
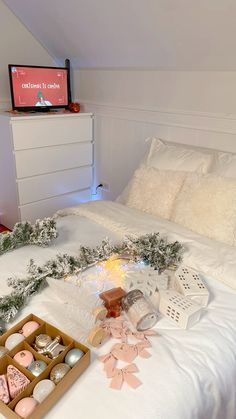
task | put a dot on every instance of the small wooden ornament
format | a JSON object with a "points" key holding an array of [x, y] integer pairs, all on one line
{"points": [[113, 311], [100, 313], [113, 296], [96, 336]]}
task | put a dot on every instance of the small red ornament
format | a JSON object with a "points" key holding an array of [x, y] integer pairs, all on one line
{"points": [[74, 107]]}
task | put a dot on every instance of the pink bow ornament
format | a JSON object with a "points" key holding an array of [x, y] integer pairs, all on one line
{"points": [[143, 335], [127, 352], [116, 329], [109, 361], [125, 375]]}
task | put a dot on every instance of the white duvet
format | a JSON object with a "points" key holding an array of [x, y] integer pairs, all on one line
{"points": [[191, 374]]}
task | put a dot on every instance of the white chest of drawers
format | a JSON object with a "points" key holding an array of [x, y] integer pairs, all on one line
{"points": [[46, 163]]}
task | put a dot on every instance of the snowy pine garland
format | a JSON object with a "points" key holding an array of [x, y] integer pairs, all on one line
{"points": [[41, 233], [150, 248]]}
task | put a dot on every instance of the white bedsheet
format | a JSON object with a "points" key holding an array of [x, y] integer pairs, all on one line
{"points": [[191, 374]]}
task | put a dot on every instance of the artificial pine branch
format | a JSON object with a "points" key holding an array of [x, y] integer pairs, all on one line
{"points": [[41, 234], [150, 248]]}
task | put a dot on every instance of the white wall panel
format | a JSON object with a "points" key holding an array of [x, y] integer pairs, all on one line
{"points": [[17, 46]]}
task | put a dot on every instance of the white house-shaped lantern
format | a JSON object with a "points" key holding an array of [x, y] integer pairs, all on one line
{"points": [[181, 310], [188, 282]]}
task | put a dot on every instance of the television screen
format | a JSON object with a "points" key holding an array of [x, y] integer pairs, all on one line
{"points": [[38, 88]]}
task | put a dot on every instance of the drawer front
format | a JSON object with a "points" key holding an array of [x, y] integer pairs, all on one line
{"points": [[48, 207], [53, 184], [52, 131], [51, 159]]}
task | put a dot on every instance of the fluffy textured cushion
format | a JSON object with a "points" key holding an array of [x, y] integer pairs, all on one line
{"points": [[206, 204], [165, 156], [225, 165], [154, 191]]}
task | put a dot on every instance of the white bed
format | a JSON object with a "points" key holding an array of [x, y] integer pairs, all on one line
{"points": [[191, 373]]}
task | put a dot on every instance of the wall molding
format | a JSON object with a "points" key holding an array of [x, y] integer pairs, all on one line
{"points": [[223, 123]]}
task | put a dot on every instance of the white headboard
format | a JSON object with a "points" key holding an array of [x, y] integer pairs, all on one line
{"points": [[120, 133]]}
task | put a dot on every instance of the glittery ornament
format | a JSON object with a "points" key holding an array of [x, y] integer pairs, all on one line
{"points": [[29, 328], [73, 356], [24, 358], [13, 340], [58, 372], [3, 351], [4, 393], [37, 367], [25, 407], [41, 341], [43, 389], [17, 381]]}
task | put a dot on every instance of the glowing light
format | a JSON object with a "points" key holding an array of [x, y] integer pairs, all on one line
{"points": [[115, 270], [112, 271]]}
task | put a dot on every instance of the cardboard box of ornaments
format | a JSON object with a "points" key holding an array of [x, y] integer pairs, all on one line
{"points": [[28, 344]]}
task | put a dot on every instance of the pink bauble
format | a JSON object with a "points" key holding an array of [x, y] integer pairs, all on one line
{"points": [[29, 328], [24, 358], [25, 407]]}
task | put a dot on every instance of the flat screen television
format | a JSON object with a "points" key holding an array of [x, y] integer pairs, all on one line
{"points": [[35, 88]]}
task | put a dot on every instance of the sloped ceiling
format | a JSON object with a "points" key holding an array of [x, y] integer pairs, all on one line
{"points": [[162, 34]]}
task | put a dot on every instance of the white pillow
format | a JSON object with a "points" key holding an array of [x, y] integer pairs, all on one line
{"points": [[177, 157], [225, 165], [166, 156], [154, 191], [206, 204]]}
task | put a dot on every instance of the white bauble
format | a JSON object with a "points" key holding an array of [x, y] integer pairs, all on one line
{"points": [[43, 389], [13, 340]]}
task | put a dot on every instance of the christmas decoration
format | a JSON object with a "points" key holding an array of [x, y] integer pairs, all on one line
{"points": [[139, 310], [112, 297], [97, 335], [41, 234], [100, 313], [189, 283], [24, 358], [33, 383], [25, 407], [53, 349], [13, 340], [181, 310], [145, 279], [73, 356], [43, 389], [125, 352], [74, 107], [112, 301], [58, 372], [4, 393], [37, 367], [150, 248], [17, 381], [41, 341], [29, 328]]}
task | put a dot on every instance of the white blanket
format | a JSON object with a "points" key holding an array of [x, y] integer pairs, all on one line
{"points": [[191, 374]]}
